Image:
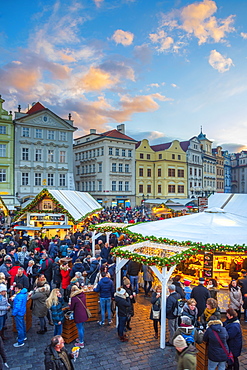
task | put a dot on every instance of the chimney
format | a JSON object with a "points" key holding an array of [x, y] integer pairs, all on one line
{"points": [[69, 116], [121, 128], [92, 131], [19, 108]]}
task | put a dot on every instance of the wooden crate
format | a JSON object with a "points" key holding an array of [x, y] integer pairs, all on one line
{"points": [[92, 299], [202, 356], [70, 332], [27, 317]]}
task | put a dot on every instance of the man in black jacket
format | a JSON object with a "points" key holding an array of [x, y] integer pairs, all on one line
{"points": [[200, 293], [171, 304], [56, 355], [243, 285], [133, 272]]}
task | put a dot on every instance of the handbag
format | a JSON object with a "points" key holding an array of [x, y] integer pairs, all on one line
{"points": [[156, 314], [230, 358], [87, 309]]}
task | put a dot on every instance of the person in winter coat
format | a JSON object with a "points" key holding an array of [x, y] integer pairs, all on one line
{"points": [[6, 266], [191, 311], [56, 355], [187, 289], [243, 285], [39, 308], [3, 355], [235, 296], [212, 287], [65, 273], [18, 311], [123, 304], [171, 304], [234, 341], [46, 267], [4, 307], [210, 310], [57, 278], [217, 356], [32, 273], [155, 313], [22, 255], [127, 286], [53, 249], [148, 279], [55, 304], [78, 306], [133, 272], [188, 332], [178, 287], [22, 278], [77, 266], [186, 354], [106, 290], [200, 294]]}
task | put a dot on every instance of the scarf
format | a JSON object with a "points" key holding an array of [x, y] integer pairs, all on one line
{"points": [[29, 270], [208, 313], [64, 357]]}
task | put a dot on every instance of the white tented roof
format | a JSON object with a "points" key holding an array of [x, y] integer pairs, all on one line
{"points": [[232, 203], [77, 203], [212, 226]]}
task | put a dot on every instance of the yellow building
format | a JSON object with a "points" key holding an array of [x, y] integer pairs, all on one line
{"points": [[161, 171]]}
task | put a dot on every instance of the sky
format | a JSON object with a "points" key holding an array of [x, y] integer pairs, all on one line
{"points": [[164, 68]]}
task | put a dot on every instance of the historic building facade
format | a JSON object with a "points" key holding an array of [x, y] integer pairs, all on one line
{"points": [[239, 172], [220, 174], [43, 152], [104, 165], [227, 172]]}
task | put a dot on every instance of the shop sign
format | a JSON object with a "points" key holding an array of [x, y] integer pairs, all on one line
{"points": [[208, 265], [202, 203], [45, 217]]}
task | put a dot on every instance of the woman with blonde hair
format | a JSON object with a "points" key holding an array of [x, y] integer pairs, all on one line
{"points": [[2, 278], [55, 304]]}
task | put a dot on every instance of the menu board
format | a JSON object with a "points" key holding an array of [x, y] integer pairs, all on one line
{"points": [[208, 265], [202, 203]]}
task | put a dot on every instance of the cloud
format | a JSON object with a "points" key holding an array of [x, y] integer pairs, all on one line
{"points": [[219, 62], [154, 135], [244, 35], [143, 53], [164, 41], [154, 85], [97, 79], [98, 3], [123, 37], [174, 85]]}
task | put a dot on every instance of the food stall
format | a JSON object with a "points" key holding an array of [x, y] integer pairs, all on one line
{"points": [[54, 212]]}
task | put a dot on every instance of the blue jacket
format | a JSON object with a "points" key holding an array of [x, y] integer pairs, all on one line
{"points": [[235, 336], [20, 302], [56, 312], [215, 351], [105, 288], [77, 267]]}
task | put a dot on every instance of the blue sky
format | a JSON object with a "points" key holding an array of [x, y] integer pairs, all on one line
{"points": [[164, 68]]}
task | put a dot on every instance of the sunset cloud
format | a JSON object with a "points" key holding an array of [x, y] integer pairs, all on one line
{"points": [[19, 77], [219, 62], [165, 42], [97, 79], [244, 35], [123, 37]]}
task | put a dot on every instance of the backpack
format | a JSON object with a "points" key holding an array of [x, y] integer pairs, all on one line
{"points": [[178, 310], [189, 337]]}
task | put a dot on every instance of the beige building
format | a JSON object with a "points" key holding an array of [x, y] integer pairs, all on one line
{"points": [[220, 176]]}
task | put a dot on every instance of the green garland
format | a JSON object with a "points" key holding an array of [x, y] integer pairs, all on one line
{"points": [[193, 247]]}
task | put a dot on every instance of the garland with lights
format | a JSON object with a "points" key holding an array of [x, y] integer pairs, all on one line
{"points": [[193, 247]]}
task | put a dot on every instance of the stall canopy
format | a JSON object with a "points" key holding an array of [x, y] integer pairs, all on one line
{"points": [[215, 225], [231, 203]]}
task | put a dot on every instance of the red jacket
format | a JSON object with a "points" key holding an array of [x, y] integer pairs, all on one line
{"points": [[65, 278]]}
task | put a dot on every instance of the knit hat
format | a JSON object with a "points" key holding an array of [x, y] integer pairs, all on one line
{"points": [[180, 342], [3, 288], [121, 291], [185, 320], [187, 282], [126, 281]]}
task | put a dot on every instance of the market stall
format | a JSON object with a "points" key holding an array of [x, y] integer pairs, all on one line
{"points": [[57, 211]]}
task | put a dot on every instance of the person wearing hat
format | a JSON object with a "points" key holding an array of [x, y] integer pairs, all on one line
{"points": [[187, 289], [200, 294], [6, 266], [188, 331], [4, 307], [186, 354], [127, 286], [243, 285], [123, 304]]}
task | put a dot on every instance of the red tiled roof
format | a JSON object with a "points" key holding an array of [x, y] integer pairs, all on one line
{"points": [[36, 108], [116, 134], [159, 147]]}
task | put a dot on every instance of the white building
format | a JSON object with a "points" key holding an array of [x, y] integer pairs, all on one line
{"points": [[104, 166], [43, 152]]}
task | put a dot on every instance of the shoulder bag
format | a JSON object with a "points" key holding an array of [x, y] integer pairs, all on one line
{"points": [[87, 309], [230, 358]]}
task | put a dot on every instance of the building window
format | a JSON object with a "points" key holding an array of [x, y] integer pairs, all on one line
{"points": [[37, 179], [159, 172], [190, 184], [100, 185], [114, 185], [110, 151], [149, 189], [102, 151], [86, 168], [123, 153], [93, 170], [141, 155], [171, 188], [173, 156], [100, 167], [38, 133], [141, 172], [86, 155], [117, 151], [93, 183], [149, 172], [129, 153], [159, 189], [78, 170], [195, 171], [141, 188], [97, 152], [171, 172], [93, 153], [191, 171], [50, 179], [90, 168], [179, 157], [62, 156], [126, 186], [62, 181], [51, 135], [114, 167], [148, 156], [62, 136], [25, 132], [25, 178], [160, 156], [120, 185], [127, 168], [38, 155], [180, 189], [2, 150], [3, 130], [25, 154], [82, 170], [180, 173], [120, 167], [50, 156], [90, 153], [2, 175]]}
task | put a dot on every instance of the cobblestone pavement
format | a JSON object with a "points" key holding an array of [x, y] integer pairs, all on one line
{"points": [[102, 349]]}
